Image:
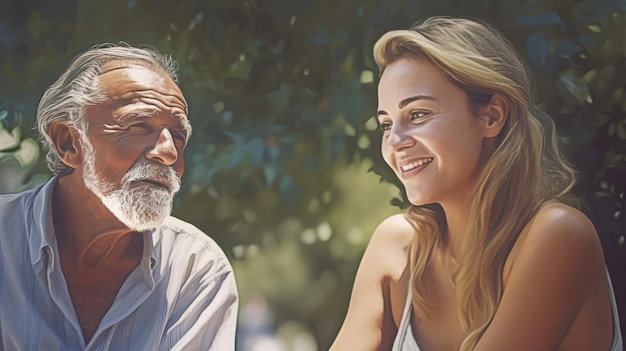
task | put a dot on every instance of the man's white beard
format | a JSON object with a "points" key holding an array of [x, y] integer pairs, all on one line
{"points": [[137, 205]]}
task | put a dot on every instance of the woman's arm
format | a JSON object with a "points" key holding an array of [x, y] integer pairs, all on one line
{"points": [[558, 269], [369, 323]]}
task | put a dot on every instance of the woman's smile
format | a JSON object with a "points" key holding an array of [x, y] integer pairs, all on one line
{"points": [[411, 168]]}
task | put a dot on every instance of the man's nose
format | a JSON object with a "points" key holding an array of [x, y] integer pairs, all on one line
{"points": [[164, 150]]}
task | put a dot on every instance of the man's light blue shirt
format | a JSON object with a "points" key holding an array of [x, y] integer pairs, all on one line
{"points": [[182, 295]]}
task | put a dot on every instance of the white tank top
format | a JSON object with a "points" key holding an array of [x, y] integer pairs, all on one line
{"points": [[405, 341]]}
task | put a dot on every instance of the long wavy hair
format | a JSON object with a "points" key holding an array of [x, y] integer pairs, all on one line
{"points": [[525, 170]]}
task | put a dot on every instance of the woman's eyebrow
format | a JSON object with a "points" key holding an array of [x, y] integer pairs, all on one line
{"points": [[407, 101], [410, 99]]}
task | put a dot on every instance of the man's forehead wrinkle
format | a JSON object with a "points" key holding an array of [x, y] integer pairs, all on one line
{"points": [[149, 96], [136, 112], [140, 90], [171, 103], [133, 78]]}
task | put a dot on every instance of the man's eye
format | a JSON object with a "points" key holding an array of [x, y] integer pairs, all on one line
{"points": [[180, 138], [138, 128]]}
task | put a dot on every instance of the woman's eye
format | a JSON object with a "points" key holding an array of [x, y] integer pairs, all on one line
{"points": [[384, 126], [418, 114]]}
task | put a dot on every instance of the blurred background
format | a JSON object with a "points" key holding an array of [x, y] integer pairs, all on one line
{"points": [[284, 169]]}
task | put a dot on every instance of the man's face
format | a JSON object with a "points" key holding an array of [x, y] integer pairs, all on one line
{"points": [[133, 147]]}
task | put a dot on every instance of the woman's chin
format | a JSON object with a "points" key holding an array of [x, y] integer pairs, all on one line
{"points": [[419, 199]]}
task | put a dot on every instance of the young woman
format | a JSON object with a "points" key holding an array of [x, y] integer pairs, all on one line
{"points": [[493, 254]]}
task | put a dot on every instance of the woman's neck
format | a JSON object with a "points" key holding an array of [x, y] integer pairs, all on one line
{"points": [[457, 218]]}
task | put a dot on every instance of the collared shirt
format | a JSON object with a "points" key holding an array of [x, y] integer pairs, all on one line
{"points": [[182, 295]]}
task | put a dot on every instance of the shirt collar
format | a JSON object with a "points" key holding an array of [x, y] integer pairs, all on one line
{"points": [[41, 232], [148, 246]]}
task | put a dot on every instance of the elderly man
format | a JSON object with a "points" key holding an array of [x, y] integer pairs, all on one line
{"points": [[92, 260]]}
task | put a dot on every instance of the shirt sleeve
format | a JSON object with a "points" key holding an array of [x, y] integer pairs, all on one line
{"points": [[206, 318]]}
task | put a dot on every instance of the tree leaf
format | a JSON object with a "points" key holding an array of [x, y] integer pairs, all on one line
{"points": [[576, 86]]}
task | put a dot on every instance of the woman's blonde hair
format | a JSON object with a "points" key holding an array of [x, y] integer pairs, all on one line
{"points": [[525, 170]]}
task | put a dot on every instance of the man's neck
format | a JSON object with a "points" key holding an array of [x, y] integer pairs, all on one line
{"points": [[96, 251], [87, 233]]}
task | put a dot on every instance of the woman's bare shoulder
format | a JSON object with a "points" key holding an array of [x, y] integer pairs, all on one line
{"points": [[395, 230], [370, 321], [555, 269], [559, 230], [556, 223], [386, 257], [562, 232], [392, 240]]}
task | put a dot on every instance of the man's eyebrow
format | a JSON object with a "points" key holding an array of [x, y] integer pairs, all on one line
{"points": [[407, 101], [184, 121], [154, 112]]}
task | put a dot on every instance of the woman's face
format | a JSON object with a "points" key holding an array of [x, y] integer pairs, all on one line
{"points": [[431, 139]]}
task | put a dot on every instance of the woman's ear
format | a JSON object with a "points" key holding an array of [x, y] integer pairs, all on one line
{"points": [[493, 115], [66, 142]]}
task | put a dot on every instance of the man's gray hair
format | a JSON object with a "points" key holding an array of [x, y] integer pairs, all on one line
{"points": [[79, 86]]}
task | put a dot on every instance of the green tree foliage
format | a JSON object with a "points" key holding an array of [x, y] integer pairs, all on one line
{"points": [[282, 95], [18, 153]]}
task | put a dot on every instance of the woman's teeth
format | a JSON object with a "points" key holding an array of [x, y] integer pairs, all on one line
{"points": [[416, 164]]}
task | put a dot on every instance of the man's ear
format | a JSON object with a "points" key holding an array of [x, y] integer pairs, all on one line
{"points": [[493, 116], [66, 142]]}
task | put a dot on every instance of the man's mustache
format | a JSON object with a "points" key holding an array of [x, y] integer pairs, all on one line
{"points": [[144, 170]]}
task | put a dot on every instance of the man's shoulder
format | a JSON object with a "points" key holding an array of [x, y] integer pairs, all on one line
{"points": [[17, 219], [12, 198], [180, 227], [182, 238], [10, 203]]}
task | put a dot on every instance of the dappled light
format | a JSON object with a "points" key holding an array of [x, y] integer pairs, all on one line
{"points": [[283, 168]]}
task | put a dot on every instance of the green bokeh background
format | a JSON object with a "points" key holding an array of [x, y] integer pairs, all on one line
{"points": [[284, 169]]}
